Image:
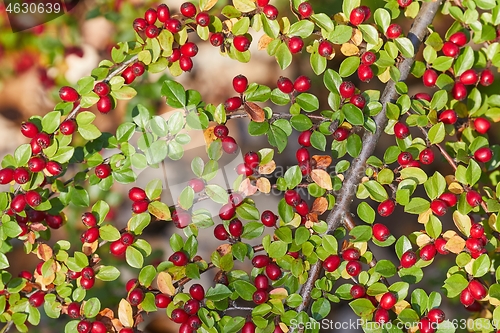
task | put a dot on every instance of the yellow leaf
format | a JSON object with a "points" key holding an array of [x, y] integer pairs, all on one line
{"points": [[322, 178], [357, 37], [263, 185], [385, 76], [165, 285], [264, 42], [455, 244], [424, 217], [400, 306], [44, 252], [125, 313], [267, 168], [349, 49], [455, 188], [207, 5], [462, 222], [423, 239]]}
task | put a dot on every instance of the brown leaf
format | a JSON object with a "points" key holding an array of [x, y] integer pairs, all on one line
{"points": [[320, 205], [107, 312], [246, 188], [312, 217], [89, 248], [125, 313], [322, 161], [264, 185], [224, 249], [264, 42], [255, 112], [455, 244], [267, 168], [164, 282], [37, 226], [44, 252], [349, 49], [322, 178], [209, 136]]}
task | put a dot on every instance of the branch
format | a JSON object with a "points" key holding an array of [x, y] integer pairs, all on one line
{"points": [[370, 140]]}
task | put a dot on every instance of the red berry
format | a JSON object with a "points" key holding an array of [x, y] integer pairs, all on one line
{"points": [[236, 228], [87, 283], [84, 326], [189, 49], [260, 261], [423, 96], [259, 297], [233, 104], [176, 55], [132, 283], [388, 300], [117, 248], [285, 85], [162, 13], [241, 43], [152, 31], [29, 130], [351, 254], [368, 58], [305, 9], [197, 292], [450, 49], [449, 199], [37, 298], [6, 175], [268, 218], [367, 11], [302, 208], [381, 316], [249, 327], [140, 206], [42, 139], [404, 3], [68, 94], [54, 221], [240, 83], [140, 24], [458, 38], [477, 290], [440, 244], [305, 138], [188, 9], [216, 39], [358, 101], [179, 316], [137, 194], [365, 73], [357, 291], [429, 78], [243, 169], [401, 131], [229, 145], [179, 258], [128, 75], [74, 310], [292, 198], [466, 297], [173, 25], [68, 127], [181, 218], [89, 219], [25, 275], [436, 316], [483, 154], [203, 19], [473, 198], [185, 63], [90, 235], [476, 230], [135, 297], [381, 232], [295, 44], [428, 252], [18, 203], [193, 322], [357, 16], [481, 125], [150, 16], [448, 117], [426, 156], [393, 31], [474, 245], [227, 211], [98, 327], [36, 164], [404, 158], [261, 282], [353, 268], [105, 104], [270, 11], [469, 77], [408, 259], [302, 84], [325, 49], [221, 131], [341, 134], [425, 326], [162, 301], [487, 78], [252, 159], [220, 232], [273, 271], [196, 184], [192, 306], [103, 171], [386, 208], [138, 68], [127, 239], [302, 154]]}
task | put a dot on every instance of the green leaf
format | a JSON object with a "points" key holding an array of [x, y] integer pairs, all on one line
{"points": [[417, 206], [353, 114], [4, 262], [92, 307], [385, 268], [109, 233], [366, 213], [464, 61], [244, 289], [308, 102], [323, 21], [481, 265], [318, 63], [277, 138], [370, 33], [108, 273], [434, 227], [51, 121], [22, 154], [416, 174], [248, 212], [79, 196], [283, 56], [175, 93], [405, 46], [293, 176], [435, 185], [318, 140], [376, 190], [382, 18], [241, 26], [473, 173], [218, 293], [361, 233], [147, 275], [134, 257], [302, 28], [320, 308], [349, 66], [437, 133], [354, 145], [439, 100], [217, 193], [362, 307]]}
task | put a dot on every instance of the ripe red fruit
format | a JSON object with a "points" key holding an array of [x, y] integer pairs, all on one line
{"points": [[302, 84], [483, 154], [448, 117], [449, 199], [90, 235], [138, 68], [241, 43], [401, 131], [127, 239], [54, 221], [466, 297], [135, 297], [365, 73], [227, 211], [393, 31], [270, 11], [305, 9], [87, 283], [236, 228], [29, 130], [252, 159], [117, 248], [179, 258], [487, 78], [162, 13], [426, 156], [74, 310], [358, 101], [408, 259], [305, 138], [25, 275], [216, 39], [325, 48], [192, 306], [388, 300], [128, 75], [221, 131], [429, 78], [353, 268], [428, 252], [380, 232], [175, 56], [132, 283], [233, 103], [193, 322], [476, 230], [368, 58], [423, 96], [450, 49], [105, 104], [473, 198], [196, 184], [42, 139], [351, 254], [481, 125], [185, 63], [474, 245], [302, 208], [477, 290], [347, 89], [249, 327], [357, 291], [331, 263], [6, 175], [137, 194], [240, 83], [273, 271], [436, 316], [152, 31], [341, 134], [259, 297], [89, 219], [173, 25], [103, 171], [295, 44], [102, 89], [162, 301], [268, 218], [469, 77], [357, 16], [37, 298], [440, 244], [220, 232], [68, 127], [197, 292], [386, 208], [404, 158], [381, 316], [18, 203], [188, 9], [139, 24], [292, 198], [179, 316], [260, 261], [425, 326], [189, 49], [150, 16], [261, 282], [459, 91], [68, 94], [459, 38], [285, 85], [243, 169], [404, 3], [302, 154], [203, 19], [181, 218], [84, 326]]}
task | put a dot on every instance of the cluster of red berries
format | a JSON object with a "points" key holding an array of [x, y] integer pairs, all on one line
{"points": [[92, 233], [474, 292], [129, 74], [270, 11], [351, 255], [292, 198], [240, 84], [229, 144], [360, 15], [446, 200], [302, 154], [476, 241], [140, 201], [250, 164], [300, 85], [187, 316], [273, 272], [228, 212], [119, 246]]}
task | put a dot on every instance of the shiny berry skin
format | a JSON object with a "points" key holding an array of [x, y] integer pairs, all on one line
{"points": [[368, 58], [469, 77], [68, 94], [388, 300], [259, 297], [189, 49], [450, 49], [117, 248], [428, 252], [138, 68], [37, 299], [25, 275], [353, 268], [458, 38], [179, 316], [252, 159], [386, 208], [474, 245], [42, 139], [127, 239], [162, 301], [179, 258], [285, 85], [448, 117], [162, 13], [243, 169], [33, 198], [236, 228], [425, 326], [380, 232], [229, 145], [233, 104], [292, 198], [393, 31], [137, 194], [440, 245], [173, 25], [197, 292], [132, 283], [302, 84], [404, 158], [268, 218], [381, 316], [426, 156], [365, 73], [401, 131], [6, 175], [74, 310], [476, 230], [216, 39], [483, 154], [404, 3], [197, 185], [203, 19], [466, 297], [481, 125], [90, 235], [261, 282], [192, 306], [87, 283], [423, 96], [305, 9], [188, 9], [486, 78], [68, 127], [128, 75], [350, 254], [175, 56], [358, 101], [181, 218], [89, 219], [152, 31], [340, 134], [473, 198], [135, 297], [103, 171], [140, 24], [295, 44], [477, 290], [18, 203], [449, 199], [408, 259], [29, 130], [302, 208], [429, 78], [104, 104], [241, 43], [150, 16], [273, 271], [185, 63], [325, 49], [35, 147], [221, 131], [240, 83], [193, 322], [357, 291], [260, 261], [270, 11], [357, 16], [436, 316], [249, 327], [227, 212], [84, 326], [302, 154]]}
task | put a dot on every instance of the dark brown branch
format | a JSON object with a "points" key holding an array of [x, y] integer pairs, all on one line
{"points": [[358, 167]]}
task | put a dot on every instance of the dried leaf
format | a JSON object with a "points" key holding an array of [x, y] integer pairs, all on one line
{"points": [[320, 205], [209, 136], [264, 42], [44, 252], [164, 282], [264, 185], [322, 161], [424, 217], [449, 233], [107, 312], [246, 188], [349, 49], [357, 37], [455, 188], [37, 226], [125, 313], [89, 248], [224, 249], [255, 112], [455, 244], [312, 217], [423, 239], [322, 178], [267, 168], [400, 306]]}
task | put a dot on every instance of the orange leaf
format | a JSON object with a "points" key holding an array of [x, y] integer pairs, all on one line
{"points": [[322, 161], [165, 285], [322, 178], [320, 205], [44, 252]]}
